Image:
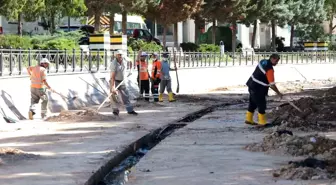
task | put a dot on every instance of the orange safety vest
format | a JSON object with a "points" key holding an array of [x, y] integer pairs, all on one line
{"points": [[37, 76], [157, 65], [143, 70]]}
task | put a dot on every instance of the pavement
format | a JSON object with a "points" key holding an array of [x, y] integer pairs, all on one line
{"points": [[71, 152], [210, 151]]}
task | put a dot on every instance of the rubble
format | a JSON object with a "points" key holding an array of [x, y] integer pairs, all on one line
{"points": [[10, 155], [319, 114], [80, 116], [285, 143], [308, 169]]}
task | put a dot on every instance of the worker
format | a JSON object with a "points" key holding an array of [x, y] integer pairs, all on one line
{"points": [[258, 85], [143, 75], [38, 87], [118, 70], [155, 77], [165, 79]]}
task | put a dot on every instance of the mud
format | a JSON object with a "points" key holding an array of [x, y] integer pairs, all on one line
{"points": [[285, 143], [80, 116], [319, 113], [12, 155], [308, 169]]}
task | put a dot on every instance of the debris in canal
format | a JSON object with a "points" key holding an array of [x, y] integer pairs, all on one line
{"points": [[286, 143], [80, 116]]}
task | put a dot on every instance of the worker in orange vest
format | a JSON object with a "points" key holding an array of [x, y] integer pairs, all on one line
{"points": [[155, 77], [143, 75], [37, 88]]}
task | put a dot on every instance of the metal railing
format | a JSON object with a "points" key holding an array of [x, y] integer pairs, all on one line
{"points": [[14, 62]]}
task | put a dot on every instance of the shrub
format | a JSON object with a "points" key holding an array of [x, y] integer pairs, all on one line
{"points": [[209, 48], [137, 44], [189, 46], [15, 42]]}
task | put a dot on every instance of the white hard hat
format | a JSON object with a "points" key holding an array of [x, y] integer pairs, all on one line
{"points": [[143, 54], [119, 52], [45, 61]]}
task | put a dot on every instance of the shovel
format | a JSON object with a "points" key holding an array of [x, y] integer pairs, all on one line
{"points": [[68, 99]]}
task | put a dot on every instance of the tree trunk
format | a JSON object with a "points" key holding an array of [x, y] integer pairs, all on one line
{"points": [[197, 31], [52, 24], [292, 36], [331, 27], [213, 31], [234, 32], [255, 26], [164, 39], [20, 24], [124, 22], [273, 35], [111, 23], [97, 22], [175, 35]]}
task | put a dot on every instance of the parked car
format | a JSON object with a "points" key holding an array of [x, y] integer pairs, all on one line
{"points": [[141, 34]]}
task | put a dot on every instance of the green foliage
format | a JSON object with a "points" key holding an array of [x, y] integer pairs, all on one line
{"points": [[59, 41], [308, 32], [209, 48], [189, 46], [15, 41], [137, 44]]}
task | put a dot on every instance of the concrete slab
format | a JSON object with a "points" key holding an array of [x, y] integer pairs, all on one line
{"points": [[209, 151], [70, 152]]}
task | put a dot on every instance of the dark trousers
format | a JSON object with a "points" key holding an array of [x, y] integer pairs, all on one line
{"points": [[144, 88], [155, 89], [257, 100]]}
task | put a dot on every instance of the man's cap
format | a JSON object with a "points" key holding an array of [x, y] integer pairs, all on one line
{"points": [[165, 55], [155, 54], [119, 52], [44, 61], [143, 54]]}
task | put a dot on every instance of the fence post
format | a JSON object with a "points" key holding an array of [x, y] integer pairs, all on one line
{"points": [[105, 58], [90, 60], [57, 60], [10, 61], [73, 60], [1, 62], [81, 60], [20, 61], [98, 60], [246, 57], [29, 57], [65, 60]]}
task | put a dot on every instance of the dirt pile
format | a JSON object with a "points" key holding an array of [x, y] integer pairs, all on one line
{"points": [[319, 114], [285, 143], [10, 155], [80, 116], [308, 169]]}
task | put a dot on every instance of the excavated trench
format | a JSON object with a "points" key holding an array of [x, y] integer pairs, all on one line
{"points": [[116, 171]]}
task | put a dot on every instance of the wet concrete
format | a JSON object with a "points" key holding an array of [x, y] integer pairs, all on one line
{"points": [[210, 151]]}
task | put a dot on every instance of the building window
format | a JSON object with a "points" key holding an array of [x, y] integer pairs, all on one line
{"points": [[170, 30]]}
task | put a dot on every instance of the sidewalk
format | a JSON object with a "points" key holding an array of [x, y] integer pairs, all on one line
{"points": [[210, 151], [70, 152]]}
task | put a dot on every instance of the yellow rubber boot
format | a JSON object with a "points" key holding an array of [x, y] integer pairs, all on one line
{"points": [[171, 97], [160, 97], [262, 119], [249, 118]]}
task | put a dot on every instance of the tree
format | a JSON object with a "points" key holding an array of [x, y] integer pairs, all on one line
{"points": [[97, 8], [20, 10], [230, 11], [167, 12], [330, 7], [305, 12], [56, 9], [278, 13]]}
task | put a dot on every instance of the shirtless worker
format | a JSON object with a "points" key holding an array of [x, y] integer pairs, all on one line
{"points": [[38, 78], [258, 85]]}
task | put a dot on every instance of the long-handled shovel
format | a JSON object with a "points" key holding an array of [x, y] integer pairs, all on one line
{"points": [[108, 97]]}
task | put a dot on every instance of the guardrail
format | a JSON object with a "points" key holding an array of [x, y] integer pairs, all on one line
{"points": [[14, 62]]}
